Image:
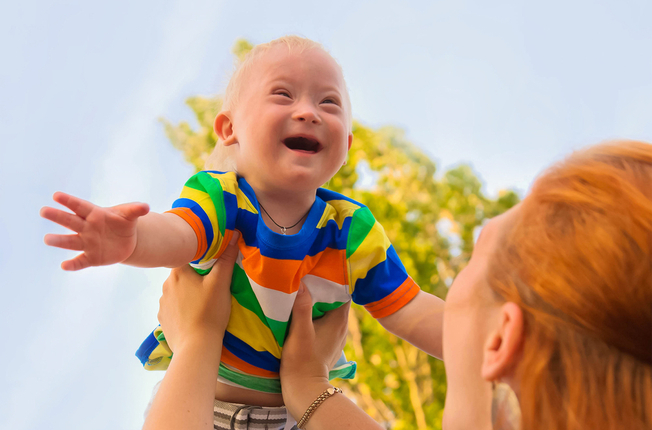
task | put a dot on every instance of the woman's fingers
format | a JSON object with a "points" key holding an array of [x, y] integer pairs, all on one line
{"points": [[335, 322], [174, 276], [65, 219], [65, 241], [301, 324], [230, 254], [223, 268], [75, 204]]}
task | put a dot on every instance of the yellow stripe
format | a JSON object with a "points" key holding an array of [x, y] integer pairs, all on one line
{"points": [[341, 209], [246, 326], [371, 252], [229, 182], [203, 199], [329, 214]]}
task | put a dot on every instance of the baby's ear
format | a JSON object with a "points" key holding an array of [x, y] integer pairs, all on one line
{"points": [[223, 127]]}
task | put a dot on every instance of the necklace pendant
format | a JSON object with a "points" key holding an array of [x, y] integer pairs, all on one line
{"points": [[283, 230]]}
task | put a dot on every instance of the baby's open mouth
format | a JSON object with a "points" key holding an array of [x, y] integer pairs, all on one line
{"points": [[301, 143]]}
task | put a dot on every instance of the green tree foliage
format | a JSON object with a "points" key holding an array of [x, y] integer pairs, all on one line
{"points": [[432, 222]]}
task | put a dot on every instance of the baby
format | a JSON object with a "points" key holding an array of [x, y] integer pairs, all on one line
{"points": [[285, 128]]}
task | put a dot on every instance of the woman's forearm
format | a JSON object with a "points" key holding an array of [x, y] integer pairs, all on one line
{"points": [[185, 398], [336, 412]]}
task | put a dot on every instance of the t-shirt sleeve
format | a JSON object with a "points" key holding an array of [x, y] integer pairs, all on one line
{"points": [[203, 206], [377, 277]]}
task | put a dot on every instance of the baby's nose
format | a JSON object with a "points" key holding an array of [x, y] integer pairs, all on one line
{"points": [[307, 115]]}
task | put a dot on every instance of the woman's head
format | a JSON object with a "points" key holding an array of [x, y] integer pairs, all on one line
{"points": [[563, 286]]}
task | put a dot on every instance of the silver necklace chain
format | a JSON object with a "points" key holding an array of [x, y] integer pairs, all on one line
{"points": [[283, 229]]}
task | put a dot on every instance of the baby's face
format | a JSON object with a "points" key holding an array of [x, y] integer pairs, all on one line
{"points": [[292, 121]]}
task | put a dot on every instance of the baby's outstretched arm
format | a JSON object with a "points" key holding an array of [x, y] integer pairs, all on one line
{"points": [[419, 322], [120, 234]]}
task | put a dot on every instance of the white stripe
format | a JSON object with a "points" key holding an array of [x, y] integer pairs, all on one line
{"points": [[275, 304], [325, 291], [203, 266], [278, 305], [233, 384]]}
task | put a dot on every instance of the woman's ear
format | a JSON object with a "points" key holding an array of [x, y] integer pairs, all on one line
{"points": [[503, 347], [223, 127]]}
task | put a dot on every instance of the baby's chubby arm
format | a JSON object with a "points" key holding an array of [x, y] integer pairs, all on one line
{"points": [[125, 233], [419, 322]]}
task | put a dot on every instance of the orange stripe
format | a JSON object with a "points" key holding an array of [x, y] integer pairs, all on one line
{"points": [[332, 265], [390, 298], [228, 234], [196, 224], [392, 303], [285, 275], [231, 360]]}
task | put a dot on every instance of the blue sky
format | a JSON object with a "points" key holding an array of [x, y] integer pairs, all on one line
{"points": [[506, 86]]}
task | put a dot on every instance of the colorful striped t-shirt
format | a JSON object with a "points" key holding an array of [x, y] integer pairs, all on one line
{"points": [[340, 253]]}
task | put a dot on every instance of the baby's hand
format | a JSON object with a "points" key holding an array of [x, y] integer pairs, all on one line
{"points": [[105, 235]]}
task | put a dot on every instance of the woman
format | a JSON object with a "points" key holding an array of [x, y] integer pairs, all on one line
{"points": [[554, 310]]}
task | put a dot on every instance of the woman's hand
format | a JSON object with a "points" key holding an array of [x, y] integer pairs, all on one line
{"points": [[194, 311], [310, 351], [198, 307]]}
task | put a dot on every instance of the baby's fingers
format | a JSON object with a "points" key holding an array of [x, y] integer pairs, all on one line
{"points": [[65, 219], [131, 211], [77, 263], [65, 241], [75, 204]]}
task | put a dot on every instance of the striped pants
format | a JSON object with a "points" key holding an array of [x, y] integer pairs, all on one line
{"points": [[231, 416]]}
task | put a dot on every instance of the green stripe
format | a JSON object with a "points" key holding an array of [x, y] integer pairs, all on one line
{"points": [[346, 371], [265, 385], [214, 189], [244, 294], [202, 272], [361, 224], [279, 330], [273, 385], [319, 308], [194, 183]]}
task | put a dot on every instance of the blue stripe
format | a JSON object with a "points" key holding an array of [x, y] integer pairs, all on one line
{"points": [[197, 210], [381, 280], [231, 207], [247, 223], [247, 191], [146, 348], [329, 236], [260, 359]]}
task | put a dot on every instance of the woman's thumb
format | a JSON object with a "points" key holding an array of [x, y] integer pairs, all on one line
{"points": [[230, 254], [224, 265], [302, 309]]}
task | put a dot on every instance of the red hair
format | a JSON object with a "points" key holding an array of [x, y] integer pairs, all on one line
{"points": [[578, 261]]}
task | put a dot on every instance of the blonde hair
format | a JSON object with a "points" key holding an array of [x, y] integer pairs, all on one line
{"points": [[578, 261], [223, 158]]}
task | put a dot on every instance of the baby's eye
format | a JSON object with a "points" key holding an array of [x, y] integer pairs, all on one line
{"points": [[282, 93], [331, 101]]}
